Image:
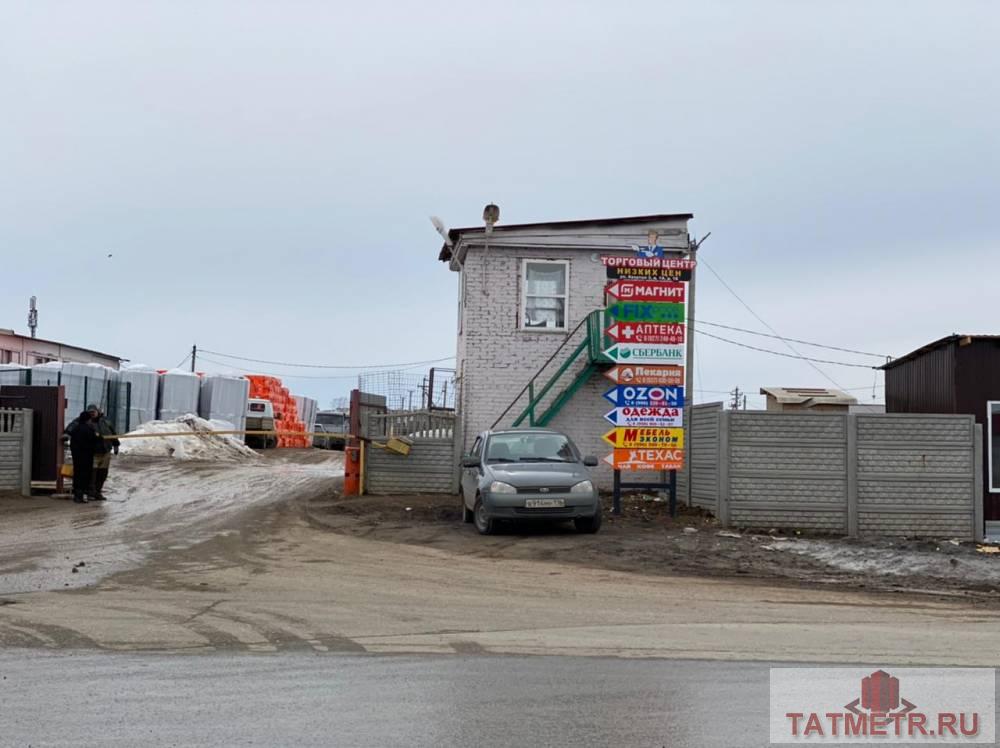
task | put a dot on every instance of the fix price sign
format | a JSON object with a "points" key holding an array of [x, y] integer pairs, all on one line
{"points": [[626, 311]]}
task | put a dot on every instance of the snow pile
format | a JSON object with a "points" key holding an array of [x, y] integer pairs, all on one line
{"points": [[200, 445]]}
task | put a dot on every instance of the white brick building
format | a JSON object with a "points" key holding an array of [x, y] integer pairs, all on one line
{"points": [[523, 292]]}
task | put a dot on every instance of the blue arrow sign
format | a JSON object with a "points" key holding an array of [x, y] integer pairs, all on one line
{"points": [[656, 417], [643, 396]]}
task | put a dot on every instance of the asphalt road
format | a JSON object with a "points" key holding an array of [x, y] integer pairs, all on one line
{"points": [[344, 700]]}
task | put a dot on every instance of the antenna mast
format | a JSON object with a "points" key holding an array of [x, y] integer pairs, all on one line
{"points": [[33, 316]]}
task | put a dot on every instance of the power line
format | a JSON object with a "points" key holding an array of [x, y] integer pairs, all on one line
{"points": [[326, 366], [798, 356], [294, 376], [183, 361], [761, 320], [793, 340]]}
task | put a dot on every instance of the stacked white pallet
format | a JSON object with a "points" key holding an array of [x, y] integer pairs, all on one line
{"points": [[137, 396], [307, 409], [225, 399], [85, 384], [13, 374], [178, 394]]}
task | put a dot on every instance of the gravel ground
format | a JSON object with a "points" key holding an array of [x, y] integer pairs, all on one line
{"points": [[646, 540]]}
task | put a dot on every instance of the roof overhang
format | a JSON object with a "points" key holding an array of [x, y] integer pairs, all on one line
{"points": [[589, 234], [939, 343]]}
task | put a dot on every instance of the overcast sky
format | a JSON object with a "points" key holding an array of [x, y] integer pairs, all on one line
{"points": [[262, 172]]}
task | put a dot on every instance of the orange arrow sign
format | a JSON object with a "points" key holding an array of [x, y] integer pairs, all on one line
{"points": [[646, 459], [651, 374]]}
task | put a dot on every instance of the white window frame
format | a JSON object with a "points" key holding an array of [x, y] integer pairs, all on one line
{"points": [[989, 445], [523, 326]]}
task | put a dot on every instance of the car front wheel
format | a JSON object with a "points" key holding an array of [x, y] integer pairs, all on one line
{"points": [[484, 524], [589, 524]]}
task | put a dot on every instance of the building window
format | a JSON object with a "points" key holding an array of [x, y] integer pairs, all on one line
{"points": [[6, 357], [993, 443], [544, 294]]}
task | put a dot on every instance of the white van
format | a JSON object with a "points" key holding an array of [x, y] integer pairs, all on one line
{"points": [[260, 417]]}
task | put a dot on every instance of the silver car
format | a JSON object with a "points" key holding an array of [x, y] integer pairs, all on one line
{"points": [[528, 474]]}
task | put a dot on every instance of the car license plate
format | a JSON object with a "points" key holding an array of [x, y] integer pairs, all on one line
{"points": [[544, 503]]}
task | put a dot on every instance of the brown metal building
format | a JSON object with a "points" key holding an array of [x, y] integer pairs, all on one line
{"points": [[956, 374]]}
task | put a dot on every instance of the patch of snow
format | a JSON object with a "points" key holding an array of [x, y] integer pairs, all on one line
{"points": [[191, 439], [894, 563]]}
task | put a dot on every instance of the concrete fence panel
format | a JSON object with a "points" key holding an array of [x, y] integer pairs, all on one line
{"points": [[703, 456], [787, 470], [878, 474], [429, 468], [15, 450], [916, 475]]}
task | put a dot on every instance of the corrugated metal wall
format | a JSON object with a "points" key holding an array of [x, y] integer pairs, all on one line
{"points": [[925, 384]]}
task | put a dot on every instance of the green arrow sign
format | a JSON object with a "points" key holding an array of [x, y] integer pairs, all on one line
{"points": [[628, 311]]}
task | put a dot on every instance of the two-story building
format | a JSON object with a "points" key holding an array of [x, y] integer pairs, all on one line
{"points": [[530, 325], [26, 351]]}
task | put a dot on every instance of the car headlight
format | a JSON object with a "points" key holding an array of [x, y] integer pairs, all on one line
{"points": [[501, 487], [584, 486]]}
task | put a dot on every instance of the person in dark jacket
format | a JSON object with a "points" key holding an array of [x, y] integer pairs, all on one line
{"points": [[102, 455], [83, 444]]}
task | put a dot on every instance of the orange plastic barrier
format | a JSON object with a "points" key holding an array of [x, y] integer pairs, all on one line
{"points": [[286, 417]]}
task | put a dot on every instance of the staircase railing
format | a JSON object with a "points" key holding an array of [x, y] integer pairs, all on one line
{"points": [[538, 388]]}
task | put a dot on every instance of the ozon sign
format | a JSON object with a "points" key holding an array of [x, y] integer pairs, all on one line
{"points": [[643, 396]]}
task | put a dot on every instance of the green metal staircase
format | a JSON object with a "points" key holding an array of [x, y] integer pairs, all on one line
{"points": [[586, 343]]}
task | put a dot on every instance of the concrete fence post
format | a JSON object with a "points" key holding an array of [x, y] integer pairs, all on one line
{"points": [[978, 525], [27, 442], [722, 510], [852, 475]]}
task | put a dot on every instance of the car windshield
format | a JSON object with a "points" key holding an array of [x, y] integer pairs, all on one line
{"points": [[530, 447]]}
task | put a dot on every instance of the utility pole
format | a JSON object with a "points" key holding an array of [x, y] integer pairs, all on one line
{"points": [[735, 402], [194, 356], [689, 359]]}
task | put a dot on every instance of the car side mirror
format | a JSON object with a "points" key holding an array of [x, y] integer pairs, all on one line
{"points": [[590, 461], [470, 462]]}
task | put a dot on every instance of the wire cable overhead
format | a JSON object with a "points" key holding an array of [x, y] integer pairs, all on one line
{"points": [[326, 366]]}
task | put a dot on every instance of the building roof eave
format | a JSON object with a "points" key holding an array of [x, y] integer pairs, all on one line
{"points": [[455, 235]]}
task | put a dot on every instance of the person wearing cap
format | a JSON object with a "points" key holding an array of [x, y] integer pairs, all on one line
{"points": [[102, 453]]}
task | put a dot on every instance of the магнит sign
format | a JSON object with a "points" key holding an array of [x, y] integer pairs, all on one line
{"points": [[646, 332], [655, 416], [647, 290], [629, 311], [644, 396]]}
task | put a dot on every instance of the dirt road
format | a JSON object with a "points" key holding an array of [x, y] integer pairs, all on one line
{"points": [[266, 557]]}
